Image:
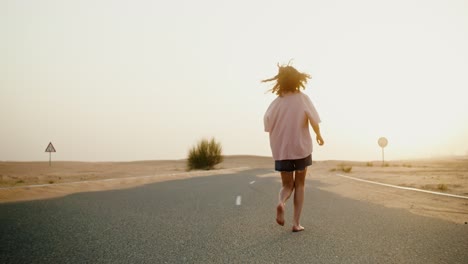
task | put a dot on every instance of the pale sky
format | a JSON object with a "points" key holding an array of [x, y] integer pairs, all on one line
{"points": [[144, 80]]}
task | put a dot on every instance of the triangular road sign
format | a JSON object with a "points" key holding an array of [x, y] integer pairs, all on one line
{"points": [[50, 148]]}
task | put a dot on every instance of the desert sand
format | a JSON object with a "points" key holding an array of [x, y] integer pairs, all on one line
{"points": [[22, 181]]}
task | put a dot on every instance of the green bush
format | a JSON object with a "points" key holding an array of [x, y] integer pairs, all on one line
{"points": [[205, 155]]}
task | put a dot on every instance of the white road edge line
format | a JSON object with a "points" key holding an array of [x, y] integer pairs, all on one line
{"points": [[238, 200], [252, 182], [403, 188]]}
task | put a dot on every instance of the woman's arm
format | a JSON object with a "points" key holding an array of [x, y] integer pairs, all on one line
{"points": [[316, 128]]}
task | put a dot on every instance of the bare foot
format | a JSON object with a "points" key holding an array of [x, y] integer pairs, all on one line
{"points": [[280, 214], [298, 228]]}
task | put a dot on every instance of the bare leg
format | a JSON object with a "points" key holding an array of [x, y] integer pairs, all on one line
{"points": [[299, 183], [285, 192]]}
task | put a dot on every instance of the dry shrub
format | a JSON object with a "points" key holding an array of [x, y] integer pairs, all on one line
{"points": [[205, 155], [442, 187], [345, 168]]}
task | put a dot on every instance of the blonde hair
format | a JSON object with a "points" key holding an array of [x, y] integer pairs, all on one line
{"points": [[288, 79]]}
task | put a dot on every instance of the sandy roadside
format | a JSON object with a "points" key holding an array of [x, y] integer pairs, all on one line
{"points": [[24, 181], [64, 178], [442, 207]]}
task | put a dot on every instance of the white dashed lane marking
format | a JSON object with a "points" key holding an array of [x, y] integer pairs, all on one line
{"points": [[238, 200], [252, 182]]}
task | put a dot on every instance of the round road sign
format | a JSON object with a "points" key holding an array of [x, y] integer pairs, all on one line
{"points": [[383, 142]]}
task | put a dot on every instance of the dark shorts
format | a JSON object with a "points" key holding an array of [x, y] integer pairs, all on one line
{"points": [[293, 165]]}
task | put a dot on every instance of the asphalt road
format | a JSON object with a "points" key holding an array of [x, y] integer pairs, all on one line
{"points": [[197, 221]]}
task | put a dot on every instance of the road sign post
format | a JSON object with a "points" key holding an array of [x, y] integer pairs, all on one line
{"points": [[50, 148], [383, 143]]}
